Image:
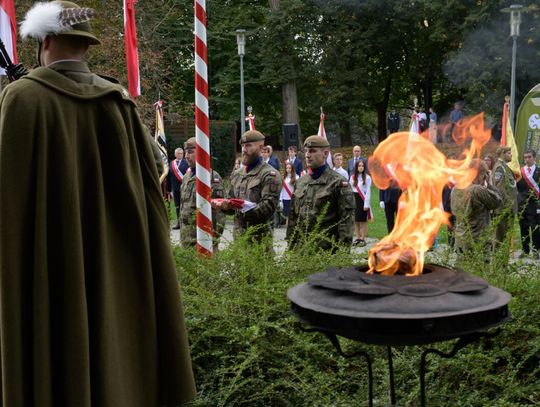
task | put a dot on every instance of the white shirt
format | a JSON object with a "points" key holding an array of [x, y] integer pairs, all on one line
{"points": [[341, 172], [283, 195], [365, 188], [532, 167]]}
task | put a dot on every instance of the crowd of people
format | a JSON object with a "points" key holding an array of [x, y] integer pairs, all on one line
{"points": [[312, 191]]}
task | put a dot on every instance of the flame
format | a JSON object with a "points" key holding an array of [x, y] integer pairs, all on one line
{"points": [[414, 163]]}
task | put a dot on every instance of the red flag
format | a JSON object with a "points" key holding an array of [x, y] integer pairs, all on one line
{"points": [[132, 55], [8, 29]]}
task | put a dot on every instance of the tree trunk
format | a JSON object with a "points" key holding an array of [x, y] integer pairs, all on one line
{"points": [[288, 92], [382, 107], [346, 138], [290, 105], [274, 4]]}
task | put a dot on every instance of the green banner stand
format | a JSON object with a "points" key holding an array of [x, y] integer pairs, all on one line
{"points": [[527, 132]]}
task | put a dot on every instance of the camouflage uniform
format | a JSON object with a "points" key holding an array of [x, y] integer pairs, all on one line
{"points": [[262, 186], [188, 207], [472, 207], [502, 178], [326, 202]]}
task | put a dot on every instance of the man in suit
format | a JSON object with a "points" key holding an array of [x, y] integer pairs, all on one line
{"points": [[295, 161], [389, 202], [272, 159], [179, 166], [394, 121], [357, 156], [529, 204]]}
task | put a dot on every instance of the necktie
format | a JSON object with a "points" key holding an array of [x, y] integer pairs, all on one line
{"points": [[529, 169]]}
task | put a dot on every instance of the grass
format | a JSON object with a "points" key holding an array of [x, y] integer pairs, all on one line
{"points": [[248, 350]]}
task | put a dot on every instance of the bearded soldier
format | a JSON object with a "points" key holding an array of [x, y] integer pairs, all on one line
{"points": [[503, 179], [257, 182], [188, 204], [322, 201], [90, 310]]}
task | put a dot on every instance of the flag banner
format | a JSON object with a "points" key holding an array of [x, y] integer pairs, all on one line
{"points": [[509, 141], [132, 54], [235, 203], [251, 121], [322, 133], [159, 135], [8, 30], [527, 128]]}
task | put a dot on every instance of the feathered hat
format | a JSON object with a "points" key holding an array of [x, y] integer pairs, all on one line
{"points": [[58, 18]]}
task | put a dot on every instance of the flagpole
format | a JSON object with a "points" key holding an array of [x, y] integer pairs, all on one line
{"points": [[202, 134]]}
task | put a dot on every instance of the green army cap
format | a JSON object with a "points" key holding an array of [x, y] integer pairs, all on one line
{"points": [[251, 136], [190, 143], [316, 141]]}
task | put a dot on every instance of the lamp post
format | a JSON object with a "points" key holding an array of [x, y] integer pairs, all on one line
{"points": [[241, 42], [515, 21]]}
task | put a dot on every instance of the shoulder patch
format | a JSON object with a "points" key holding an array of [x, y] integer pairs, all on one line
{"points": [[344, 184], [273, 173]]}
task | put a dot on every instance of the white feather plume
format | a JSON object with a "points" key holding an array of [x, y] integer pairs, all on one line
{"points": [[41, 20]]}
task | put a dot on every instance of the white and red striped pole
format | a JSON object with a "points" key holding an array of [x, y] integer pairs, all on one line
{"points": [[202, 134]]}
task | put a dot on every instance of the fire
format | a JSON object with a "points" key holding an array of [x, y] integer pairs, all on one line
{"points": [[414, 163]]}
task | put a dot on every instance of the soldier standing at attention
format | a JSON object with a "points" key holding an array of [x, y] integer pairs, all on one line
{"points": [[502, 178], [257, 182], [472, 206], [322, 200], [188, 201]]}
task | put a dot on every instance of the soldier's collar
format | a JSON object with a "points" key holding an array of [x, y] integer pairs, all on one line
{"points": [[251, 166], [317, 172]]}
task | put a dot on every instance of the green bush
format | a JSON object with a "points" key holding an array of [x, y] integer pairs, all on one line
{"points": [[248, 350]]}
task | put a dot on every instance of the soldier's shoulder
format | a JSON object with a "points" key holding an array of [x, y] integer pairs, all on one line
{"points": [[268, 171]]}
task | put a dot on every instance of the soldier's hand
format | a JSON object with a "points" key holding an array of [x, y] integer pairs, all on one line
{"points": [[225, 205]]}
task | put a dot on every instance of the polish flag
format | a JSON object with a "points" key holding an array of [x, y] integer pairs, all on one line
{"points": [[132, 55], [8, 29], [235, 203]]}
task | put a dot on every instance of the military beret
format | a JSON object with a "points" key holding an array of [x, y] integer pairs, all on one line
{"points": [[190, 143], [316, 141], [250, 136]]}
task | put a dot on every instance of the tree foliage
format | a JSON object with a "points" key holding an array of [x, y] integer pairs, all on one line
{"points": [[356, 59]]}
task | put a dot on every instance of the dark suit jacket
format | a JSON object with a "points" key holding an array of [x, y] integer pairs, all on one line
{"points": [[350, 166], [175, 184], [297, 166], [526, 198], [274, 162], [390, 195]]}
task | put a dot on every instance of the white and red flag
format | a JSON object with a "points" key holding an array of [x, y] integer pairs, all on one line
{"points": [[251, 121], [8, 29], [132, 54], [235, 203], [322, 133]]}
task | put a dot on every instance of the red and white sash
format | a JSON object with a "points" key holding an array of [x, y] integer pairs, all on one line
{"points": [[370, 213], [528, 177], [287, 189], [176, 170]]}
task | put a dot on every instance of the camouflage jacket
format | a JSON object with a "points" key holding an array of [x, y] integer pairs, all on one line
{"points": [[325, 203], [262, 186], [502, 178], [188, 207], [472, 207]]}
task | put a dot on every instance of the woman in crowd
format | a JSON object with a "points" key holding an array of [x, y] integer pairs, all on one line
{"points": [[361, 185], [288, 188], [490, 160]]}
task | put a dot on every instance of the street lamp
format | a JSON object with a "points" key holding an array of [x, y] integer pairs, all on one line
{"points": [[515, 21], [241, 42]]}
